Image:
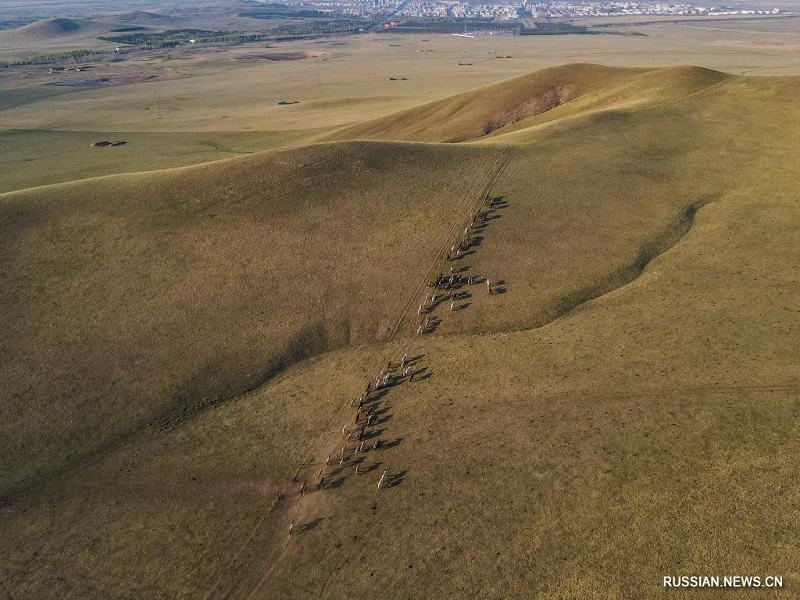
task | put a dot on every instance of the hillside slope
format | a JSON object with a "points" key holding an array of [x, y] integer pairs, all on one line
{"points": [[536, 97], [55, 28], [142, 17], [191, 285]]}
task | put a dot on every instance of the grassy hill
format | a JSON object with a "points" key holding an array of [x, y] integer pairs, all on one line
{"points": [[51, 35], [183, 345], [54, 28], [267, 259], [142, 17], [534, 98]]}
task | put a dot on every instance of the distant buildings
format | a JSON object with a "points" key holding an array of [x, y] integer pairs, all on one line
{"points": [[461, 10], [456, 9], [620, 9], [351, 8]]}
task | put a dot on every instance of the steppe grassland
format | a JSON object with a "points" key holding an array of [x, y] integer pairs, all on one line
{"points": [[653, 427], [553, 459], [209, 100]]}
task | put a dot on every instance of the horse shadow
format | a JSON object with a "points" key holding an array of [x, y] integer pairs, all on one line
{"points": [[396, 479], [336, 483], [433, 325], [419, 373], [373, 434], [393, 443], [377, 395], [499, 202], [313, 524]]}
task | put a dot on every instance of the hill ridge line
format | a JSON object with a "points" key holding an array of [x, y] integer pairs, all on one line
{"points": [[590, 117], [684, 225], [240, 157]]}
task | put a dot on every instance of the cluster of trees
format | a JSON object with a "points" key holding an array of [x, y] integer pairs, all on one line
{"points": [[449, 25], [164, 39], [329, 27], [301, 27], [456, 25], [555, 28], [72, 56]]}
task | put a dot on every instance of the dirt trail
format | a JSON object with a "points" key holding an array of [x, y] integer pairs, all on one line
{"points": [[242, 575]]}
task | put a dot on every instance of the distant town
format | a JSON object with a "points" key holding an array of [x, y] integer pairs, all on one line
{"points": [[619, 9], [454, 9]]}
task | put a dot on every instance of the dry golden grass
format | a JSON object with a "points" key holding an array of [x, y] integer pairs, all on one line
{"points": [[265, 260], [625, 410], [534, 98], [32, 158]]}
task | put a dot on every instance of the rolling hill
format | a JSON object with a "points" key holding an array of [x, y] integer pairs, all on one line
{"points": [[142, 17], [54, 28], [58, 34], [534, 98], [182, 349]]}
